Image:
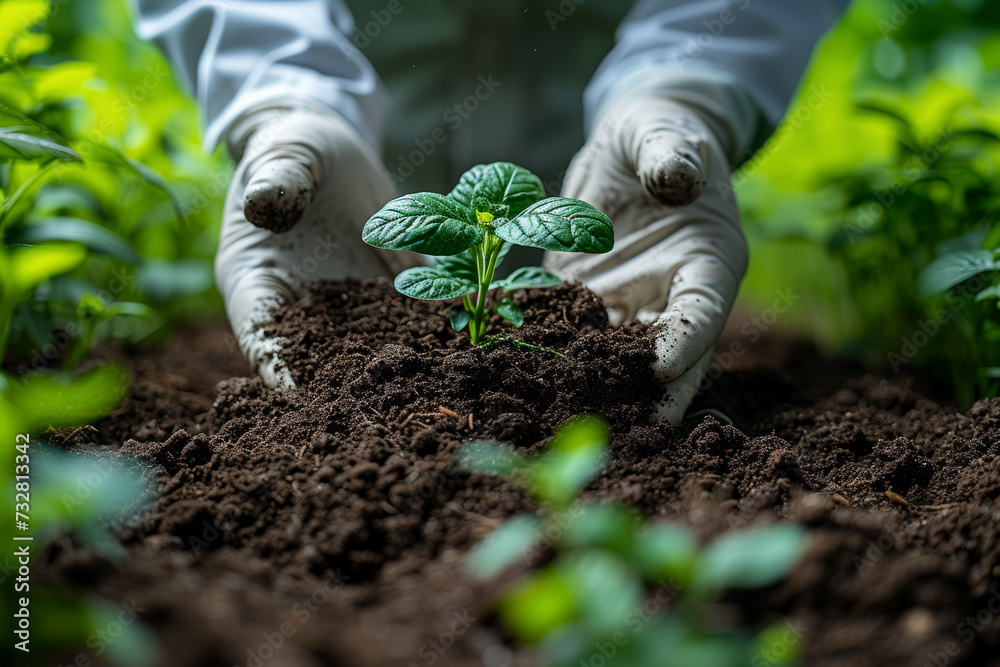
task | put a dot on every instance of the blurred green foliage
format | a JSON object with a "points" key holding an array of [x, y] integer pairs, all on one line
{"points": [[78, 71], [77, 494], [611, 585], [84, 217], [887, 159]]}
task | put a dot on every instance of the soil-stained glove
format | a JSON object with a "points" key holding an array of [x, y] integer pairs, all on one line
{"points": [[305, 184], [657, 168]]}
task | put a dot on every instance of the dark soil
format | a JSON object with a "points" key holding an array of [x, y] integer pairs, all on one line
{"points": [[349, 481]]}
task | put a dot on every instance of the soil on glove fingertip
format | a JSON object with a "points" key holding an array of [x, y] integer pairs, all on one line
{"points": [[340, 497]]}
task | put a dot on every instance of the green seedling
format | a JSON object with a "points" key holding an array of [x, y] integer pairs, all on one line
{"points": [[614, 573], [91, 312], [471, 229]]}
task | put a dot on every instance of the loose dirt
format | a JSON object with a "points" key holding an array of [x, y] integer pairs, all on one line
{"points": [[335, 509]]}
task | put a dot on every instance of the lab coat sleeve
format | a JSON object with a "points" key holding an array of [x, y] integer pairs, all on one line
{"points": [[741, 60], [236, 56]]}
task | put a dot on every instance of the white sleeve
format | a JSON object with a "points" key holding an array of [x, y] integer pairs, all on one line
{"points": [[235, 56], [742, 55]]}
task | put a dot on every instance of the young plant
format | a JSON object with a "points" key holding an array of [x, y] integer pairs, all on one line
{"points": [[958, 286], [609, 572], [91, 313], [470, 230]]}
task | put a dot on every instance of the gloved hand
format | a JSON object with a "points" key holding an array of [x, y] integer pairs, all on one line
{"points": [[654, 166], [305, 184]]}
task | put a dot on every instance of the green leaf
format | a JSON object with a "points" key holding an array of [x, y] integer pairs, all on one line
{"points": [[992, 292], [508, 310], [688, 648], [89, 308], [424, 222], [91, 235], [607, 590], [536, 607], [504, 546], [885, 112], [161, 280], [527, 277], [577, 453], [949, 270], [459, 319], [121, 485], [970, 240], [601, 526], [33, 265], [665, 551], [777, 636], [132, 308], [462, 265], [488, 458], [45, 401], [500, 183], [24, 139], [557, 223], [980, 134], [750, 559], [424, 282], [113, 157]]}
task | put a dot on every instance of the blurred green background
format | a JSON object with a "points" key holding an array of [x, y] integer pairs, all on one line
{"points": [[886, 161]]}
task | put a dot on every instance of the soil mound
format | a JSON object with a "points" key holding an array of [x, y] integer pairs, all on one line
{"points": [[349, 478]]}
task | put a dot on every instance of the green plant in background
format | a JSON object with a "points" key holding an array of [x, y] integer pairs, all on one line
{"points": [[850, 233], [470, 231], [962, 287], [936, 199], [92, 125], [78, 214], [643, 588]]}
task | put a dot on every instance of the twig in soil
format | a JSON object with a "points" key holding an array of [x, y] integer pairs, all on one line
{"points": [[942, 506], [445, 411], [302, 449], [841, 500], [898, 499], [408, 419], [485, 520], [470, 421], [421, 424]]}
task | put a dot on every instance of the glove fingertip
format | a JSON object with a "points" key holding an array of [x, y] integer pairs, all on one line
{"points": [[671, 179], [278, 194], [668, 411], [678, 394], [275, 374]]}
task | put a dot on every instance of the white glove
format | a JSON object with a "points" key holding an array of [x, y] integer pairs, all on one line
{"points": [[307, 174], [655, 167]]}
